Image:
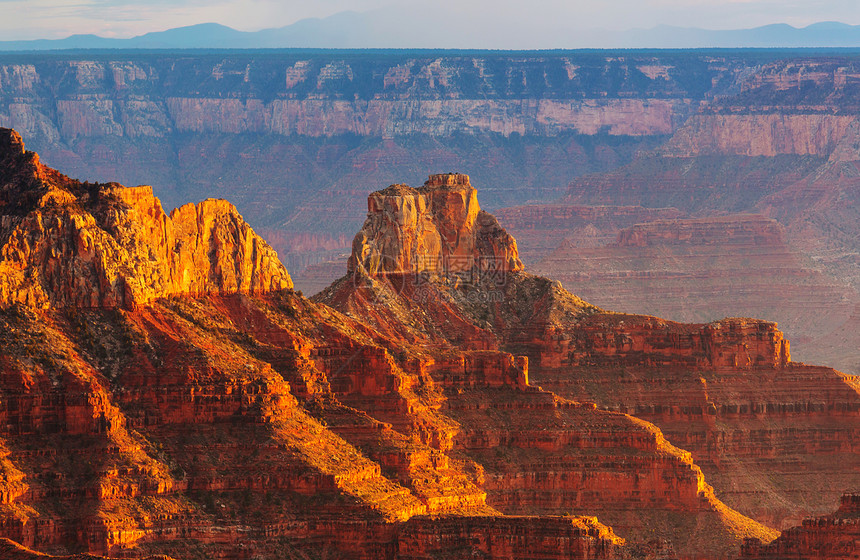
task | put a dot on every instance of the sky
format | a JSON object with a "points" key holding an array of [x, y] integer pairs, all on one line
{"points": [[54, 19]]}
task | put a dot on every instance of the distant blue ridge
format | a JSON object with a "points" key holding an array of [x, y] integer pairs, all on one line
{"points": [[377, 30]]}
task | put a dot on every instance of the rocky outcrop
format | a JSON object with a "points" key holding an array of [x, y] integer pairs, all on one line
{"points": [[727, 391], [704, 269], [823, 538], [761, 151], [65, 243], [437, 229], [234, 419], [569, 458]]}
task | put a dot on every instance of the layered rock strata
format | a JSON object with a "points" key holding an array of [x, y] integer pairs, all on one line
{"points": [[437, 229], [303, 94], [71, 244], [831, 536], [572, 457], [218, 414]]}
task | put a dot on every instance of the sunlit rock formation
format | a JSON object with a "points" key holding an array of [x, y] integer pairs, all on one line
{"points": [[72, 244], [437, 229], [164, 391], [570, 455]]}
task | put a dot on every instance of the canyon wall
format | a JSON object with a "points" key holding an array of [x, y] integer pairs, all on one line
{"points": [[726, 391], [284, 133], [437, 229], [123, 250], [329, 94], [220, 414]]}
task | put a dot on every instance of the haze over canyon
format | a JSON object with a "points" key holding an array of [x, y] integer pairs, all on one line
{"points": [[742, 164], [429, 304]]}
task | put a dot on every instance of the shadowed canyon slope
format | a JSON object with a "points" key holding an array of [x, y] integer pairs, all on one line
{"points": [[217, 414], [727, 390], [228, 420]]}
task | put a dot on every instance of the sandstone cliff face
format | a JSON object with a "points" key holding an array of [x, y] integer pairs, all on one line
{"points": [[569, 457], [702, 269], [232, 420], [70, 244], [437, 229], [759, 135], [831, 536]]}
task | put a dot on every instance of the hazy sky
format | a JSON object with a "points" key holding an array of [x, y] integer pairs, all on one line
{"points": [[30, 19]]}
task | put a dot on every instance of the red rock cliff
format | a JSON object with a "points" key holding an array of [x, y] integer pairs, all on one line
{"points": [[219, 424], [829, 537], [542, 454], [437, 229], [65, 243]]}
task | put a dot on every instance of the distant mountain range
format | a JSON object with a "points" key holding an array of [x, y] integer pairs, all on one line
{"points": [[392, 29]]}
